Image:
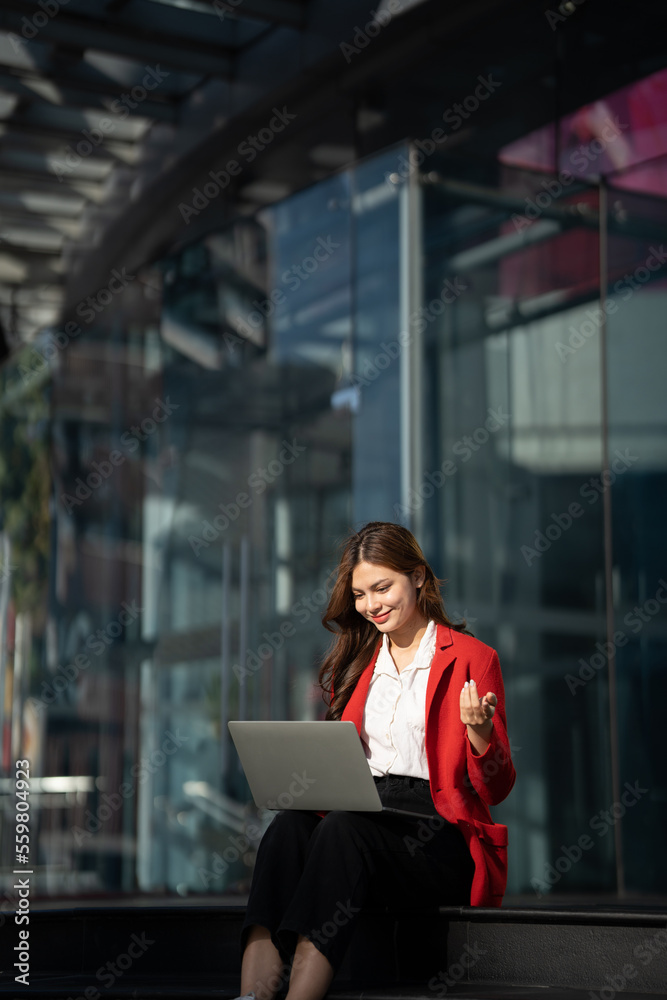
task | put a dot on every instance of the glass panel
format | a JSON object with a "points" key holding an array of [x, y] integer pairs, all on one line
{"points": [[376, 442], [637, 374], [511, 501], [263, 490], [202, 477], [91, 408]]}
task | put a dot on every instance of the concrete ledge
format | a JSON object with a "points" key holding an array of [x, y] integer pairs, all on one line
{"points": [[602, 951], [564, 953]]}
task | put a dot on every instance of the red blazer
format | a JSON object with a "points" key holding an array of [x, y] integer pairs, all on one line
{"points": [[463, 783]]}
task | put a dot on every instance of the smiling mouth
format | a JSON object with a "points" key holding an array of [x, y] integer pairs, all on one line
{"points": [[377, 618]]}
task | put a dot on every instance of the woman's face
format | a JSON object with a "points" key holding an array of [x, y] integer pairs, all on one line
{"points": [[386, 597]]}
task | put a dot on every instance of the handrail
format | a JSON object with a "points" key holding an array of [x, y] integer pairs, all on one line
{"points": [[602, 916]]}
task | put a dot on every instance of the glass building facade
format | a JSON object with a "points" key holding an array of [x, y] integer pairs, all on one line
{"points": [[473, 347]]}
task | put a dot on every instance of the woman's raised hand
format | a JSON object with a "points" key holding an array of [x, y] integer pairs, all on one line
{"points": [[477, 713]]}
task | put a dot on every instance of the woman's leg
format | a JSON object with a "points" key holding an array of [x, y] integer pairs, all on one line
{"points": [[355, 858], [314, 876], [278, 868], [311, 972], [262, 969]]}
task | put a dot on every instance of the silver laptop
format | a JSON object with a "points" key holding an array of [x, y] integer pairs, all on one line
{"points": [[307, 765]]}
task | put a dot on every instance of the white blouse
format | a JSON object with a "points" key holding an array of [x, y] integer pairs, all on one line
{"points": [[394, 723]]}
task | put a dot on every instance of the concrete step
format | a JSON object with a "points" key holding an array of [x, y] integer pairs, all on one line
{"points": [[554, 953], [601, 949]]}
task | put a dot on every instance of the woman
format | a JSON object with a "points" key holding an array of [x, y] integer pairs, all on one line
{"points": [[428, 701]]}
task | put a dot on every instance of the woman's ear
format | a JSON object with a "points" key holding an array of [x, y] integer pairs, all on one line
{"points": [[419, 576]]}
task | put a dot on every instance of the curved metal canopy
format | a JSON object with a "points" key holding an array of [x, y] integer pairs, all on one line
{"points": [[110, 110], [93, 93]]}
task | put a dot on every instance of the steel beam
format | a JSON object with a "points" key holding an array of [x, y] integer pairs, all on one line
{"points": [[80, 94], [143, 44]]}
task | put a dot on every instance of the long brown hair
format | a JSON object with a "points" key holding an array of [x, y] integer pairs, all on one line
{"points": [[382, 544]]}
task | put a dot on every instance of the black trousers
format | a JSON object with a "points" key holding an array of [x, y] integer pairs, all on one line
{"points": [[313, 875]]}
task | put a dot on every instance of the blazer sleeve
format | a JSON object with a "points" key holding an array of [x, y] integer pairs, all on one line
{"points": [[492, 773]]}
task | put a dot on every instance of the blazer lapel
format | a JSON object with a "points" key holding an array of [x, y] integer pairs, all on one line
{"points": [[443, 658]]}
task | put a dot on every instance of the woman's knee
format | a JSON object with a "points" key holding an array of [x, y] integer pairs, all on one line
{"points": [[292, 824], [342, 826]]}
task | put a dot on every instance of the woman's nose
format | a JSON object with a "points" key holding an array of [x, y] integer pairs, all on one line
{"points": [[373, 603]]}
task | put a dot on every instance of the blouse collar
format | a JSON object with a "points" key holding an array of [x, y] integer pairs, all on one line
{"points": [[422, 658]]}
